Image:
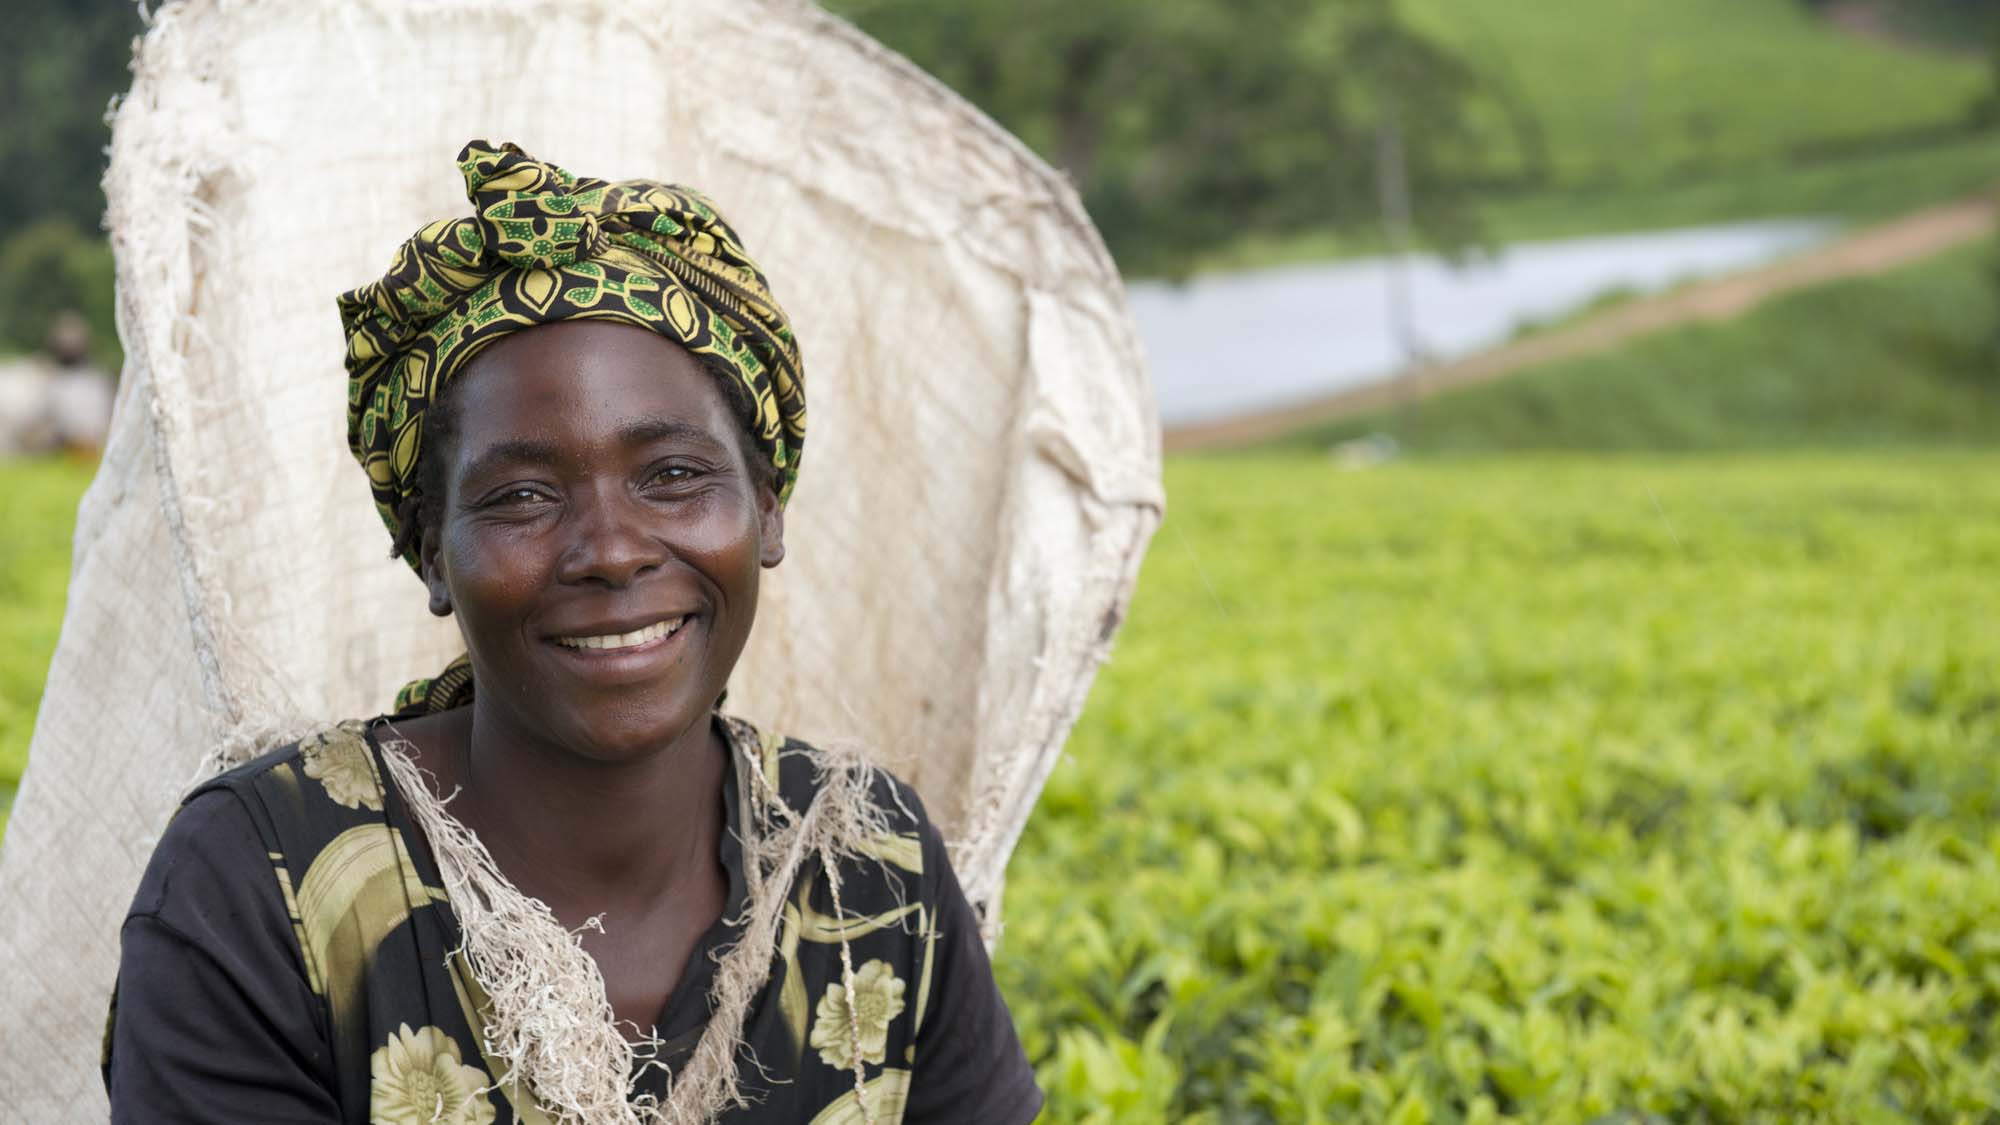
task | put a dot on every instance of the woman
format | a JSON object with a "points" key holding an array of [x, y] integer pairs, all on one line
{"points": [[580, 411]]}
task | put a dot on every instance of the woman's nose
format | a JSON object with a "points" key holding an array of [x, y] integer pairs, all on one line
{"points": [[610, 540]]}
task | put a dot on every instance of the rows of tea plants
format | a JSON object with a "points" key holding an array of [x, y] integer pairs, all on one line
{"points": [[1534, 790]]}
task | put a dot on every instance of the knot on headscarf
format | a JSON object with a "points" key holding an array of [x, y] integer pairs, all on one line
{"points": [[531, 215], [544, 246]]}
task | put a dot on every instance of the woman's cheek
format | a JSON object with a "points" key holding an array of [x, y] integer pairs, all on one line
{"points": [[502, 562], [720, 528]]}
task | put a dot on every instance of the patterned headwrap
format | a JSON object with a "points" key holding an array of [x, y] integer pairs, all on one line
{"points": [[542, 246]]}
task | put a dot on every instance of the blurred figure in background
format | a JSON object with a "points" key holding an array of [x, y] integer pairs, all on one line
{"points": [[58, 399], [80, 398]]}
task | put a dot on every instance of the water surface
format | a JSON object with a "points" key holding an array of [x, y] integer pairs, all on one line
{"points": [[1231, 344]]}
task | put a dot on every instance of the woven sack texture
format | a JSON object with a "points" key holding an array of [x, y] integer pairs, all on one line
{"points": [[981, 476]]}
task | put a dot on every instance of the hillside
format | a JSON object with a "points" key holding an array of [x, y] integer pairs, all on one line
{"points": [[1636, 91], [1905, 359]]}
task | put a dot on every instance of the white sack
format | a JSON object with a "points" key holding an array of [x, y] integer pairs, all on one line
{"points": [[981, 470]]}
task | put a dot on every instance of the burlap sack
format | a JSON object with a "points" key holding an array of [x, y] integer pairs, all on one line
{"points": [[981, 474]]}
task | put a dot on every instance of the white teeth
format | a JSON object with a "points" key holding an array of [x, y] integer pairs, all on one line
{"points": [[625, 640]]}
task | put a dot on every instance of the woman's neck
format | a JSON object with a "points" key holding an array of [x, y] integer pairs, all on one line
{"points": [[585, 836]]}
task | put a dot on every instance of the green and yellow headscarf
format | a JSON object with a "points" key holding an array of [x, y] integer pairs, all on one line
{"points": [[542, 246]]}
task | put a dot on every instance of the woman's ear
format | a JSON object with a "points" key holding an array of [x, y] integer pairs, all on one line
{"points": [[771, 526], [433, 575]]}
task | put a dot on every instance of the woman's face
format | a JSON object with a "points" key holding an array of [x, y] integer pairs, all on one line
{"points": [[601, 537]]}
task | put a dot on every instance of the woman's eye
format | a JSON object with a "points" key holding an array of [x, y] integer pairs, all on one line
{"points": [[675, 474], [518, 497]]}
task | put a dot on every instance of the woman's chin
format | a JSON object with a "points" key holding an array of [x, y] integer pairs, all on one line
{"points": [[621, 737]]}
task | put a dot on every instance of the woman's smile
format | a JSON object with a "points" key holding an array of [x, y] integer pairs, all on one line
{"points": [[620, 640], [625, 656]]}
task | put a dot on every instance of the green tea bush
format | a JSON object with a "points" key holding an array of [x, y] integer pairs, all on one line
{"points": [[38, 510], [1534, 790]]}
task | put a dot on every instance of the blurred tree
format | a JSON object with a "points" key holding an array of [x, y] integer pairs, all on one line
{"points": [[1187, 124], [51, 266], [61, 62], [1951, 23]]}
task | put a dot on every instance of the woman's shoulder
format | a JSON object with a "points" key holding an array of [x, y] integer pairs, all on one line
{"points": [[226, 816], [333, 762], [213, 845], [278, 809]]}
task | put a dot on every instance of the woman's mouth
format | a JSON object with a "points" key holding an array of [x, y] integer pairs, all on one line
{"points": [[646, 637]]}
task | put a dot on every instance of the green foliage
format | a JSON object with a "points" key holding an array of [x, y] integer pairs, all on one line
{"points": [[1188, 124], [38, 508], [1534, 790], [1958, 25], [1629, 91], [60, 63], [47, 268], [1903, 359]]}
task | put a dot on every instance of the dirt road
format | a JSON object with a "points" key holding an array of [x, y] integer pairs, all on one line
{"points": [[1871, 250]]}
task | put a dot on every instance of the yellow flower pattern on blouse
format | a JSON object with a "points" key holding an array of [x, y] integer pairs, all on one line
{"points": [[877, 999], [881, 1101], [338, 758], [418, 1078]]}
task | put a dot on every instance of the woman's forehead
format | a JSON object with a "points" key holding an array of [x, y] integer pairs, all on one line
{"points": [[598, 384], [581, 346]]}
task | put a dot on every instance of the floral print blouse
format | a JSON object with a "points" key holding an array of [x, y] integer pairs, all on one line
{"points": [[291, 956]]}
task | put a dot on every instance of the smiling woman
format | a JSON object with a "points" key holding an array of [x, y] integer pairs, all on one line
{"points": [[555, 883], [599, 534]]}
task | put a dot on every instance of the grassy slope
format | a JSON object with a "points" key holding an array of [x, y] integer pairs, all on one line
{"points": [[38, 509], [1903, 359], [1630, 90], [1537, 787], [1858, 189], [1855, 189]]}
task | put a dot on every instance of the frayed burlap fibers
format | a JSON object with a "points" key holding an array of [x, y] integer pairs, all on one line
{"points": [[230, 583]]}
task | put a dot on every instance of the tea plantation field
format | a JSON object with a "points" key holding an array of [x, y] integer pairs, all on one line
{"points": [[37, 513], [1545, 790], [1510, 788]]}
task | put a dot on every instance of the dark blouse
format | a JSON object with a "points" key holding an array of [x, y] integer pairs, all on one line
{"points": [[291, 956]]}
